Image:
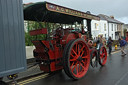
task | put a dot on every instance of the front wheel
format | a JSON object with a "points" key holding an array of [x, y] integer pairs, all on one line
{"points": [[76, 59], [102, 56]]}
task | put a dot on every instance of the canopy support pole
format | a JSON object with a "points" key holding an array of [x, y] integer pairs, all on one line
{"points": [[89, 27]]}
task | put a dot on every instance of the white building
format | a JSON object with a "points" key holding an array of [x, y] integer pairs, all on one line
{"points": [[107, 26], [99, 28], [115, 27], [125, 27], [112, 27], [95, 28]]}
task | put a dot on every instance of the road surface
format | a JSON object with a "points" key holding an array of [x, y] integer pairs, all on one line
{"points": [[115, 72]]}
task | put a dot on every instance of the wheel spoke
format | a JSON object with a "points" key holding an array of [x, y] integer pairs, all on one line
{"points": [[82, 66], [73, 68], [72, 64], [81, 49], [79, 67], [73, 56], [76, 70], [83, 62], [85, 56], [82, 53], [101, 56], [73, 59], [74, 52]]}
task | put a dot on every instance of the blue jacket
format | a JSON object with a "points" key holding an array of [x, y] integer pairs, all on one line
{"points": [[122, 43]]}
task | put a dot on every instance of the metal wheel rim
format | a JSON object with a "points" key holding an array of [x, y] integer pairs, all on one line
{"points": [[79, 59], [103, 55]]}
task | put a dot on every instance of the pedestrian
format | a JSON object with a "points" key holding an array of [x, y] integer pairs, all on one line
{"points": [[101, 40], [96, 38], [126, 40], [109, 44], [122, 45]]}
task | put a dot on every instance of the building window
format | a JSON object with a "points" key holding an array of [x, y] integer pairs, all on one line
{"points": [[115, 28], [95, 26], [112, 36], [105, 35], [112, 27], [104, 27]]}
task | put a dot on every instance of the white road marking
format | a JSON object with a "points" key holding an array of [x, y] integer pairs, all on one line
{"points": [[121, 78]]}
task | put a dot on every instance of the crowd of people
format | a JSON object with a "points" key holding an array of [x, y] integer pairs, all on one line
{"points": [[109, 43]]}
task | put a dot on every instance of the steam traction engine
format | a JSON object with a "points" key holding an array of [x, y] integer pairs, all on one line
{"points": [[67, 49]]}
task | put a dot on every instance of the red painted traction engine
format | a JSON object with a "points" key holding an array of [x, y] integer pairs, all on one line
{"points": [[67, 50]]}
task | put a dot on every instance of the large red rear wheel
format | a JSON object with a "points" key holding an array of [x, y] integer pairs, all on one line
{"points": [[102, 56], [76, 59]]}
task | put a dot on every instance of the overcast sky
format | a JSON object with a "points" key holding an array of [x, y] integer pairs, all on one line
{"points": [[117, 8]]}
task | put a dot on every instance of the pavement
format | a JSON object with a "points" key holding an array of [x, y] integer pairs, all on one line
{"points": [[32, 71]]}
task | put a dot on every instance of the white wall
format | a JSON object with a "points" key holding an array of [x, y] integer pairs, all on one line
{"points": [[112, 32], [95, 28], [98, 28], [104, 28], [29, 52]]}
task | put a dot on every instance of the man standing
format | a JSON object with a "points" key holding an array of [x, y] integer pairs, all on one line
{"points": [[122, 45], [109, 44]]}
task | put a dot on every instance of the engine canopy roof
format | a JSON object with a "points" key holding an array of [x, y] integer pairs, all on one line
{"points": [[49, 12]]}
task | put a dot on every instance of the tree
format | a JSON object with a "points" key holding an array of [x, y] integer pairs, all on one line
{"points": [[32, 25]]}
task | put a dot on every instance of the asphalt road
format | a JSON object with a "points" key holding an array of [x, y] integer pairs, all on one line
{"points": [[115, 72]]}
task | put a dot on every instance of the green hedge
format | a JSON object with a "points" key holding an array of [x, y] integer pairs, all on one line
{"points": [[28, 38]]}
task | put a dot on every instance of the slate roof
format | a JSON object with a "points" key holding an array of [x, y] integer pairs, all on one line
{"points": [[109, 19], [126, 24]]}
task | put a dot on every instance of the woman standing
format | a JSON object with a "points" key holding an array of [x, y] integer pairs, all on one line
{"points": [[109, 44]]}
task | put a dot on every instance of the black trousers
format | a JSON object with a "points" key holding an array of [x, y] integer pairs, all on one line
{"points": [[110, 49]]}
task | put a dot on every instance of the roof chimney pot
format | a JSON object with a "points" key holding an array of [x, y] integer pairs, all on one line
{"points": [[112, 17]]}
